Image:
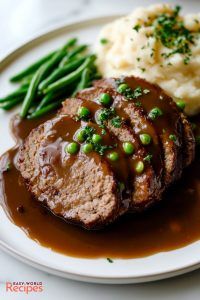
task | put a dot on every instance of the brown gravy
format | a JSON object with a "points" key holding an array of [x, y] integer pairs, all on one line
{"points": [[172, 224]]}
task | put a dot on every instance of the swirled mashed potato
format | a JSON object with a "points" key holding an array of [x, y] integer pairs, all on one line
{"points": [[139, 44]]}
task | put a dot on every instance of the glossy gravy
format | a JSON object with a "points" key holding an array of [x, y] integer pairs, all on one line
{"points": [[174, 223]]}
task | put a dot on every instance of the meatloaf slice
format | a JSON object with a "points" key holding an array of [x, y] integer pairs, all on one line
{"points": [[188, 141], [168, 126], [79, 188], [144, 187], [136, 119]]}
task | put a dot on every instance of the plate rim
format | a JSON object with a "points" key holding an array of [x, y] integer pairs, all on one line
{"points": [[7, 59], [90, 278], [14, 52]]}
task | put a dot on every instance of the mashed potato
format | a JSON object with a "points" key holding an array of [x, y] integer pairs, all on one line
{"points": [[128, 46]]}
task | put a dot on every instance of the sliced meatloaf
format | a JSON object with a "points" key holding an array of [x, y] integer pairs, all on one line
{"points": [[130, 141], [80, 188], [169, 127], [188, 141], [144, 187]]}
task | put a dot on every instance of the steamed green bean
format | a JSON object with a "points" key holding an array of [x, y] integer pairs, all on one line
{"points": [[72, 54], [40, 74], [44, 110], [61, 71], [19, 92], [32, 68], [85, 79], [66, 80]]}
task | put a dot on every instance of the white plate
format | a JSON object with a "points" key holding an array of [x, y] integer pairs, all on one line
{"points": [[14, 241]]}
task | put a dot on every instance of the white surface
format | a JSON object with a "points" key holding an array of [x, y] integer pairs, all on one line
{"points": [[24, 19]]}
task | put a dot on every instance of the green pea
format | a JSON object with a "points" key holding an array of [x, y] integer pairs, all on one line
{"points": [[113, 156], [72, 148], [139, 168], [87, 148], [105, 99], [145, 138], [96, 138], [128, 147], [81, 136], [180, 104], [83, 112], [155, 113], [122, 88]]}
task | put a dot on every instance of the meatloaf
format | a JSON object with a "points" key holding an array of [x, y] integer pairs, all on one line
{"points": [[130, 142], [80, 188]]}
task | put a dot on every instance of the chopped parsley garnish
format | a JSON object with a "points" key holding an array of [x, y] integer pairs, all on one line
{"points": [[116, 122], [169, 29], [109, 260], [103, 41], [106, 114], [8, 167], [138, 104], [173, 137], [148, 158], [172, 33], [143, 70], [186, 60], [137, 27], [89, 131], [129, 93], [99, 148], [103, 131]]}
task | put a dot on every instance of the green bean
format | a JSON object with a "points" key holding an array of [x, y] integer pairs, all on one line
{"points": [[19, 92], [44, 110], [84, 82], [9, 105], [68, 79], [40, 74], [34, 67], [72, 54], [57, 57], [32, 91], [49, 98], [58, 73], [27, 79]]}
